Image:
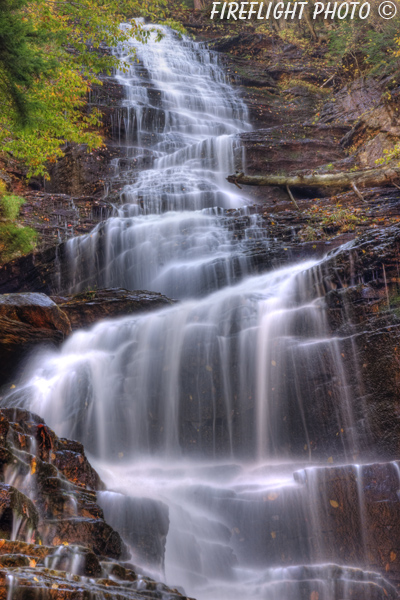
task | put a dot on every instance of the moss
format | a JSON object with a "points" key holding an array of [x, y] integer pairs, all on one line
{"points": [[15, 240], [310, 87], [323, 224], [10, 206]]}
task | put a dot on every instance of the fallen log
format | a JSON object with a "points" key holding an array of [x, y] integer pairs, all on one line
{"points": [[368, 177]]}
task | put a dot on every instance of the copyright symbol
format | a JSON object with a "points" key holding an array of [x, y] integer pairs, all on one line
{"points": [[387, 9]]}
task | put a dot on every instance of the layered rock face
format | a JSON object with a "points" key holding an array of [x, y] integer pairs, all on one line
{"points": [[55, 542], [360, 283], [334, 514]]}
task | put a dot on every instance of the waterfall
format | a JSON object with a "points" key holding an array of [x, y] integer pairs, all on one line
{"points": [[179, 111], [213, 404], [222, 376]]}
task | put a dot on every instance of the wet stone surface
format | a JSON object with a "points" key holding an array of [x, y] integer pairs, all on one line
{"points": [[87, 308], [54, 542]]}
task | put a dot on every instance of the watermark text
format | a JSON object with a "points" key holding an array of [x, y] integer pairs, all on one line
{"points": [[241, 11]]}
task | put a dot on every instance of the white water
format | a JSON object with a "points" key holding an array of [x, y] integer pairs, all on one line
{"points": [[180, 254], [246, 373], [180, 110]]}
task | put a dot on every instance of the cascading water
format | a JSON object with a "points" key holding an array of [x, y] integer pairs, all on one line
{"points": [[211, 405], [180, 112], [223, 376]]}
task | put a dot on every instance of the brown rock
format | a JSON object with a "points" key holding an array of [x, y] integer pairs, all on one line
{"points": [[17, 513], [36, 310], [65, 455], [27, 321], [94, 533], [87, 308]]}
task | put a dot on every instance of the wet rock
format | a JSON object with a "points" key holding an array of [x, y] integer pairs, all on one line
{"points": [[335, 514], [61, 558], [16, 343], [87, 308], [330, 581], [81, 173], [30, 320], [34, 272], [43, 584], [84, 561], [356, 514], [59, 495], [18, 548], [94, 533], [51, 502], [143, 523], [276, 245], [15, 560], [57, 217], [34, 309], [66, 455], [26, 321], [360, 283], [18, 516]]}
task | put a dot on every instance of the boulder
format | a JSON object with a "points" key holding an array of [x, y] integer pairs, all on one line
{"points": [[34, 309]]}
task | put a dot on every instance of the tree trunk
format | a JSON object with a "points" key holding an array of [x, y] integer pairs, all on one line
{"points": [[370, 177]]}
